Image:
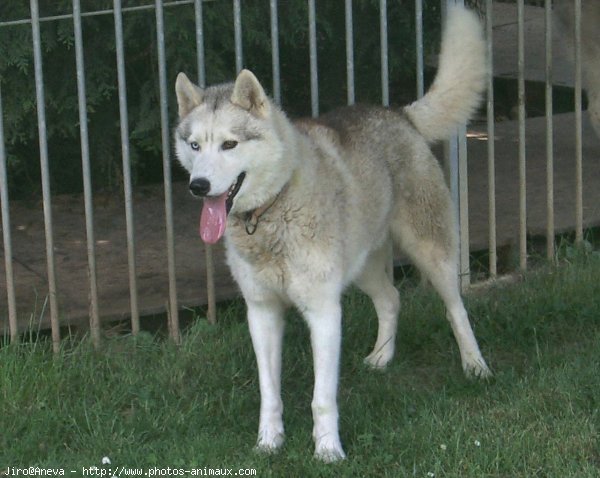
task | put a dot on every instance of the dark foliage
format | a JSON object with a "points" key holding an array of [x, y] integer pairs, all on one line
{"points": [[18, 89]]}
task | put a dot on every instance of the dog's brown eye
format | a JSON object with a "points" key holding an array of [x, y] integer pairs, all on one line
{"points": [[230, 144], [195, 146]]}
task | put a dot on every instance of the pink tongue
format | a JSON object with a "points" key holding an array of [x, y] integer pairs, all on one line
{"points": [[213, 219]]}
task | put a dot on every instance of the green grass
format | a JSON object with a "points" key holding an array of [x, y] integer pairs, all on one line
{"points": [[144, 402]]}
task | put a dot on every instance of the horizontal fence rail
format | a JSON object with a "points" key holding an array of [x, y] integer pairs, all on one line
{"points": [[69, 16], [316, 54]]}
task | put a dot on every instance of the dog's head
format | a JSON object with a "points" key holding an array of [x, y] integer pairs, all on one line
{"points": [[228, 139]]}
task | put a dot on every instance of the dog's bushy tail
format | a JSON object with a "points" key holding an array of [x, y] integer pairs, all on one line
{"points": [[460, 81]]}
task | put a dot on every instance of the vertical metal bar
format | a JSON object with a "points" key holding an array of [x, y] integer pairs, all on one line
{"points": [[45, 169], [463, 215], [451, 156], [522, 149], [549, 136], [237, 25], [87, 175], [211, 313], [314, 74], [451, 164], [578, 129], [275, 52], [455, 152], [123, 118], [419, 52], [383, 33], [6, 236], [491, 158], [166, 148], [349, 52], [200, 43]]}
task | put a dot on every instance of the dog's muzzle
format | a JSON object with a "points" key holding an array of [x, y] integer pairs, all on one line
{"points": [[200, 187]]}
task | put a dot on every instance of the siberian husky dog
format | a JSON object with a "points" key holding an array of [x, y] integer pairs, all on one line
{"points": [[307, 208]]}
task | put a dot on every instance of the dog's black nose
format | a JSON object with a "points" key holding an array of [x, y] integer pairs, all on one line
{"points": [[200, 187]]}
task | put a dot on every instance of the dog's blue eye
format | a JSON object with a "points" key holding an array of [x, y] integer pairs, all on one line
{"points": [[230, 144], [195, 146]]}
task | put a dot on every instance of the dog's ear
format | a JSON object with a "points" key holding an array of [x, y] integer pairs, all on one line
{"points": [[188, 95], [249, 94]]}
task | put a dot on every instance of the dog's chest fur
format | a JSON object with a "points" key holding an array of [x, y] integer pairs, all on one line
{"points": [[288, 245], [267, 250]]}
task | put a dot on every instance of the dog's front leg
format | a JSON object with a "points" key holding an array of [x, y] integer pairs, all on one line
{"points": [[265, 320], [325, 321]]}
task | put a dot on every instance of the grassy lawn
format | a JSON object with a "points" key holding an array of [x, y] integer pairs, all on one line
{"points": [[143, 402]]}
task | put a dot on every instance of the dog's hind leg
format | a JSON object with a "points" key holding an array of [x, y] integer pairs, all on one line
{"points": [[444, 278], [375, 280], [438, 265]]}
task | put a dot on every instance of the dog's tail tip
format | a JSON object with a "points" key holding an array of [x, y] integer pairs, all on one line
{"points": [[460, 81]]}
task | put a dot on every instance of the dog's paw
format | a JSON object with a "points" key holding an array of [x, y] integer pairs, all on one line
{"points": [[378, 359], [329, 450], [269, 441], [477, 369]]}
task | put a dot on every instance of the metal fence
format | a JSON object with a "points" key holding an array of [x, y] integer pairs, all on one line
{"points": [[455, 150]]}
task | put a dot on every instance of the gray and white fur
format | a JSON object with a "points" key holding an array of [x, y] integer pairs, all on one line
{"points": [[307, 208]]}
